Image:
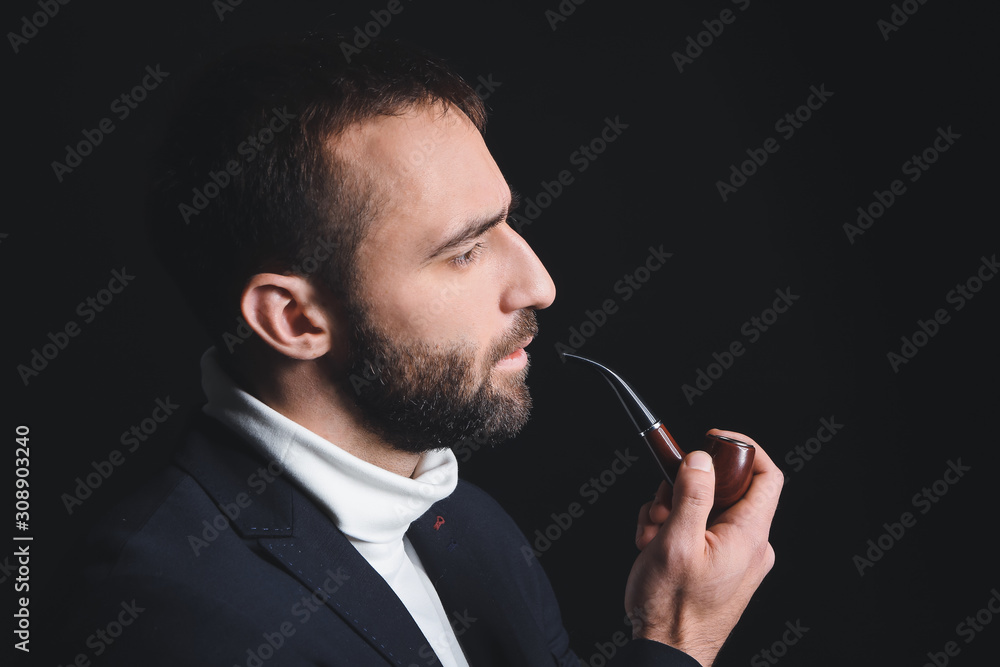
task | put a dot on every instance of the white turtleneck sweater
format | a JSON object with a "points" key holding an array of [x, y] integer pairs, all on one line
{"points": [[370, 505]]}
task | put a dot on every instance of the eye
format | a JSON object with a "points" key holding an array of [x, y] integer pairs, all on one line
{"points": [[468, 258]]}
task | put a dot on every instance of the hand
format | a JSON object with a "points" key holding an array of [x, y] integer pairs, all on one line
{"points": [[692, 581]]}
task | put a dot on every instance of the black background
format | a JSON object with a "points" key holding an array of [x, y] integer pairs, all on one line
{"points": [[655, 185]]}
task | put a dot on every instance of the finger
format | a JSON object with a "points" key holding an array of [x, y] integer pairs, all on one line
{"points": [[765, 486], [659, 510], [646, 529], [652, 515], [694, 495]]}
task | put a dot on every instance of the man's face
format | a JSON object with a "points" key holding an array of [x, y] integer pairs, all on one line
{"points": [[445, 291]]}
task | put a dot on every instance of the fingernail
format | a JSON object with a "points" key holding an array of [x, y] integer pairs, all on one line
{"points": [[699, 460]]}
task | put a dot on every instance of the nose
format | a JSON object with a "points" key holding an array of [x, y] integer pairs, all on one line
{"points": [[528, 284]]}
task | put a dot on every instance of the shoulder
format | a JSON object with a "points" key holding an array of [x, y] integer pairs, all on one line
{"points": [[169, 570], [480, 511], [472, 498], [471, 521]]}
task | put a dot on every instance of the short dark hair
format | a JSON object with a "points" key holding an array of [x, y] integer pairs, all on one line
{"points": [[246, 182]]}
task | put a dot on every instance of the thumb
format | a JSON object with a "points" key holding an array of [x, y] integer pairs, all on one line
{"points": [[694, 494]]}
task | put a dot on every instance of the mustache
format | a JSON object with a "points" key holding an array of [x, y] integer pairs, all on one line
{"points": [[525, 326]]}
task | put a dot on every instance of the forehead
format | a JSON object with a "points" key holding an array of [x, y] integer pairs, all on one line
{"points": [[432, 173]]}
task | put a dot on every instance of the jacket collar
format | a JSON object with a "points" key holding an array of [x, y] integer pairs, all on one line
{"points": [[288, 525], [273, 512]]}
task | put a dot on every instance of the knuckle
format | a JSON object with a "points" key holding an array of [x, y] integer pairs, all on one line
{"points": [[769, 558], [756, 548], [680, 554], [764, 555], [644, 517], [699, 495]]}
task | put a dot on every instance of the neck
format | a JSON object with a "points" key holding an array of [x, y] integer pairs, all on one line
{"points": [[299, 392]]}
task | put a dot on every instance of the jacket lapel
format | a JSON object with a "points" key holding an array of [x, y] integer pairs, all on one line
{"points": [[321, 557], [303, 540]]}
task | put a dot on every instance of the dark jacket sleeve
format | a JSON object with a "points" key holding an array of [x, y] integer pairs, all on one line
{"points": [[647, 653]]}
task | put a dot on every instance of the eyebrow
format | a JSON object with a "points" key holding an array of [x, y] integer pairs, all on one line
{"points": [[474, 228]]}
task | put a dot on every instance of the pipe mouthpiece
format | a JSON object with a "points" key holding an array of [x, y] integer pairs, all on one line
{"points": [[641, 416]]}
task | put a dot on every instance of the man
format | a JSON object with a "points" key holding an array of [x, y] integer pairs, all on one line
{"points": [[341, 226]]}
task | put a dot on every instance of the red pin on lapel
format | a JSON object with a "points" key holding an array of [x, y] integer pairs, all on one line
{"points": [[437, 524]]}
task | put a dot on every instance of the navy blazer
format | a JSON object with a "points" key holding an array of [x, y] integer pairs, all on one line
{"points": [[218, 561]]}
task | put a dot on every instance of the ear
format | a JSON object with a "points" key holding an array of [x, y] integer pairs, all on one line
{"points": [[289, 314]]}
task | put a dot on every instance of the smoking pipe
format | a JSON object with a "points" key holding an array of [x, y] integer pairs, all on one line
{"points": [[733, 459]]}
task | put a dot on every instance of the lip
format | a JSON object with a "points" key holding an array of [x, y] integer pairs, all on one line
{"points": [[516, 358]]}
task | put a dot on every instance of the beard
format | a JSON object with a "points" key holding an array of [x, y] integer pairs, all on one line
{"points": [[416, 398]]}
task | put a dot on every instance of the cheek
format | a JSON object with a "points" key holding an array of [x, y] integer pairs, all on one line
{"points": [[444, 308]]}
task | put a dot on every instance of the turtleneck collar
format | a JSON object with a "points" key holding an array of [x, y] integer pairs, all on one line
{"points": [[368, 503]]}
